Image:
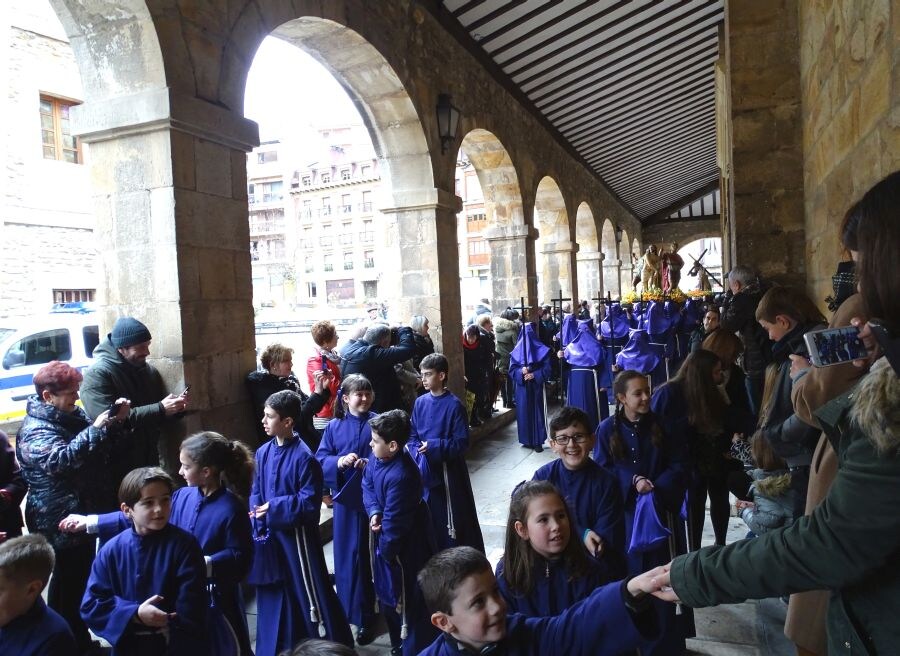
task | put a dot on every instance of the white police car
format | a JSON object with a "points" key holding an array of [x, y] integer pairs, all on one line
{"points": [[67, 333]]}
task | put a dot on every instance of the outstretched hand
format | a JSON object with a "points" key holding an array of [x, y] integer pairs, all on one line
{"points": [[661, 580], [149, 615]]}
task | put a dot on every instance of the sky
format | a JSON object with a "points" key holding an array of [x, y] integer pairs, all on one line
{"points": [[288, 92]]}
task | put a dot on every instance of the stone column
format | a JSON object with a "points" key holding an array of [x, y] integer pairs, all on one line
{"points": [[612, 282], [590, 274], [767, 210], [559, 271], [421, 240], [170, 195], [512, 271]]}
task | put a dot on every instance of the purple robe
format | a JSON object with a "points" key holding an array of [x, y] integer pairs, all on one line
{"points": [[302, 604], [667, 470], [595, 502], [568, 330], [555, 589], [130, 569], [393, 489], [589, 371], [440, 422], [220, 524], [640, 355], [352, 569], [531, 398], [599, 625], [40, 631]]}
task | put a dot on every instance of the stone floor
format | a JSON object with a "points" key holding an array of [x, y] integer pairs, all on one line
{"points": [[497, 463]]}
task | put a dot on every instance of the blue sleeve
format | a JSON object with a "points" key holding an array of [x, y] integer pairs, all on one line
{"points": [[602, 455], [232, 561], [609, 520], [301, 508], [370, 501], [256, 487], [543, 373], [454, 445], [105, 613], [109, 525], [328, 456], [191, 605]]}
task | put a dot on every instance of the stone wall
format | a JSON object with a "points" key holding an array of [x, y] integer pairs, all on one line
{"points": [[850, 82]]}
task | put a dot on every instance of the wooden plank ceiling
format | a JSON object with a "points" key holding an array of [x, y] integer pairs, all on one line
{"points": [[630, 84]]}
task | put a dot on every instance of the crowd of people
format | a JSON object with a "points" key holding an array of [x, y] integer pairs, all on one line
{"points": [[602, 547]]}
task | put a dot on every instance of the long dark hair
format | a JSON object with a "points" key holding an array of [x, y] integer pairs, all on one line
{"points": [[352, 383], [616, 443], [705, 405], [877, 235], [230, 458], [519, 557]]}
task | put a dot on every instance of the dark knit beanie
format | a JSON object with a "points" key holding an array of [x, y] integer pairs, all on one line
{"points": [[128, 331]]}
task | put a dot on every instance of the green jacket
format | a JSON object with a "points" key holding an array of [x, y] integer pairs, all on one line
{"points": [[850, 544]]}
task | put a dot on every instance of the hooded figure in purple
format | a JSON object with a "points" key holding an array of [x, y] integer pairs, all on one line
{"points": [[566, 334], [614, 330], [529, 369], [641, 355], [589, 376]]}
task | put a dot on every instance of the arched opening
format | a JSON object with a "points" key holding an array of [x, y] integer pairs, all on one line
{"points": [[708, 251], [611, 279], [493, 233], [554, 251], [625, 278], [589, 258]]}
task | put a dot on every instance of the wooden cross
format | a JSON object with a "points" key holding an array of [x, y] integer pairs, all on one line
{"points": [[557, 302]]}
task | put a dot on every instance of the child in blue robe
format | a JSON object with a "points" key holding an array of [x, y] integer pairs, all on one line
{"points": [[403, 538], [589, 374], [212, 513], [440, 434], [146, 593], [591, 491], [544, 569], [460, 590], [294, 596], [28, 627], [647, 460], [529, 369], [343, 454]]}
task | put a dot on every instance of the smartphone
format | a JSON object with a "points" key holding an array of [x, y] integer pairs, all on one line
{"points": [[113, 409], [187, 388], [834, 346], [324, 363]]}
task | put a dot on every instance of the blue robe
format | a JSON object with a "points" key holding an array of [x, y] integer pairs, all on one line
{"points": [[596, 503], [600, 625], [440, 422], [393, 489], [221, 526], [555, 589], [289, 479], [531, 399], [40, 631], [589, 371], [130, 569], [352, 569], [667, 470]]}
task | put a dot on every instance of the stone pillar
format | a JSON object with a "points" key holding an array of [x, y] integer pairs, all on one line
{"points": [[590, 274], [170, 195], [767, 211], [512, 275], [559, 272], [612, 282], [422, 242]]}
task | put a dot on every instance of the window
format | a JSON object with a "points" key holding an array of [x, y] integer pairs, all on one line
{"points": [[73, 295], [265, 192], [345, 174], [326, 205], [266, 157], [326, 240], [91, 336], [366, 205], [346, 207], [369, 259], [326, 178], [56, 133], [311, 289], [306, 180], [478, 247], [328, 264], [367, 236], [348, 261], [365, 171], [370, 288], [306, 210], [308, 264], [39, 348]]}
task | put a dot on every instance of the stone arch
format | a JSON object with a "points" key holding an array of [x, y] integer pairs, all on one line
{"points": [[589, 258], [506, 232], [612, 283], [554, 250], [712, 260]]}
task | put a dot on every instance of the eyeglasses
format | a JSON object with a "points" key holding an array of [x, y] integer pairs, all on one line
{"points": [[563, 440]]}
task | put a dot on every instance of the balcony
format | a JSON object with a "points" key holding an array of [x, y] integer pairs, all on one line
{"points": [[258, 199], [348, 266], [326, 241], [366, 237], [366, 208], [369, 263], [479, 259], [306, 215], [328, 267], [325, 211], [346, 238], [267, 228], [346, 209]]}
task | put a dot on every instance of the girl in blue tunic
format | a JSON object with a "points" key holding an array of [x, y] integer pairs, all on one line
{"points": [[212, 508], [647, 460], [343, 453], [544, 570]]}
